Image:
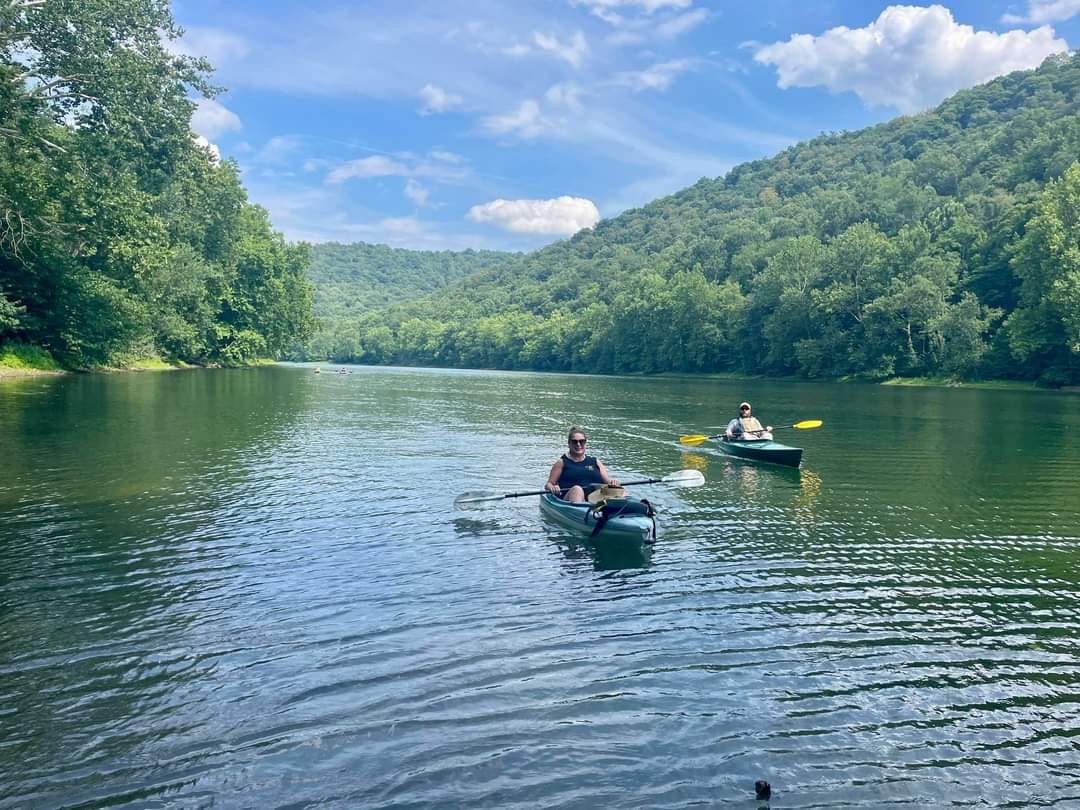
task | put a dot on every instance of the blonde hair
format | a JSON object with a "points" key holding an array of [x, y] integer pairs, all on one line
{"points": [[576, 429]]}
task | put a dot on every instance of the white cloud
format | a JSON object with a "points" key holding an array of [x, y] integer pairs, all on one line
{"points": [[215, 153], [604, 7], [437, 100], [214, 44], [531, 120], [447, 157], [909, 58], [564, 94], [573, 52], [416, 192], [1045, 11], [525, 121], [563, 216], [405, 165], [212, 119], [657, 77], [682, 23], [374, 166]]}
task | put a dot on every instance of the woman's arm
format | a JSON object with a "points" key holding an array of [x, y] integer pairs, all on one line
{"points": [[604, 476], [552, 484]]}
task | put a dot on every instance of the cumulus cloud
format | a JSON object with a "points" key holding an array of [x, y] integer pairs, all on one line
{"points": [[573, 52], [416, 192], [657, 77], [214, 44], [563, 216], [1045, 11], [909, 58], [532, 118], [437, 100], [215, 153], [211, 119]]}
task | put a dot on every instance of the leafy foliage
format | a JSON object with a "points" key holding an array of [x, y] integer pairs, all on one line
{"points": [[351, 279], [938, 244], [120, 237]]}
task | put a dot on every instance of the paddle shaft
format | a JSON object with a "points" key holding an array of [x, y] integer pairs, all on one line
{"points": [[587, 486]]}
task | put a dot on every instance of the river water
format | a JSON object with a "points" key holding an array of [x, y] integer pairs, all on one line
{"points": [[249, 588]]}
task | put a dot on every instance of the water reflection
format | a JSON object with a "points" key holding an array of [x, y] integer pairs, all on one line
{"points": [[695, 461], [604, 557], [258, 595]]}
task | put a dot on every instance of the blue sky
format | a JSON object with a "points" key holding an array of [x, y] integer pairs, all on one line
{"points": [[508, 125]]}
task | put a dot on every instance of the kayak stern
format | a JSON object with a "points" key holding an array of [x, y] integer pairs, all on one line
{"points": [[581, 518]]}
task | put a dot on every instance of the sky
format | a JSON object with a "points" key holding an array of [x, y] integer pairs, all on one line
{"points": [[510, 124]]}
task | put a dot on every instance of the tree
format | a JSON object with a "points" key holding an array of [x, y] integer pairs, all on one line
{"points": [[1047, 262]]}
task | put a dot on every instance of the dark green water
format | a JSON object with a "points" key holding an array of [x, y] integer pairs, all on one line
{"points": [[250, 589]]}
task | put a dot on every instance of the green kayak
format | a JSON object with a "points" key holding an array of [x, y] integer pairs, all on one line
{"points": [[763, 450], [620, 520]]}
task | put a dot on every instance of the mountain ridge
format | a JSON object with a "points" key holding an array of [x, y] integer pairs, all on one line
{"points": [[903, 248]]}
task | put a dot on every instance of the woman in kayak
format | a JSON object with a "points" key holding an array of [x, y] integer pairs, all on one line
{"points": [[746, 426], [575, 472]]}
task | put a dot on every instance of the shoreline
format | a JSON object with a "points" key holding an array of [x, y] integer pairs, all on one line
{"points": [[8, 372], [22, 372], [12, 372]]}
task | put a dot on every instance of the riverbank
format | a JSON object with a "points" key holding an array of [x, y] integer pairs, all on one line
{"points": [[915, 382], [1007, 385], [20, 360]]}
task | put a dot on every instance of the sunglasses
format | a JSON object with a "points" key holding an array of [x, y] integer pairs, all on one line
{"points": [[578, 441], [744, 409]]}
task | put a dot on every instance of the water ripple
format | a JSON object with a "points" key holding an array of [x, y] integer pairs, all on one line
{"points": [[275, 605]]}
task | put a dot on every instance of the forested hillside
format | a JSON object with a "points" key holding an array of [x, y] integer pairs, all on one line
{"points": [[352, 279], [946, 243], [120, 237]]}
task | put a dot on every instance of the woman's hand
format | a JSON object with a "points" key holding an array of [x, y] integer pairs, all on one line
{"points": [[553, 488], [613, 482]]}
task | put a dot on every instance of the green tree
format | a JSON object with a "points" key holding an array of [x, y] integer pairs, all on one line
{"points": [[1047, 261]]}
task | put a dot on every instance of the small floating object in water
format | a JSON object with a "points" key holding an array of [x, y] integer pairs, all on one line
{"points": [[763, 789]]}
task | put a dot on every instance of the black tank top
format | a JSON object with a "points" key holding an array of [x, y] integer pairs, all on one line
{"points": [[579, 473]]}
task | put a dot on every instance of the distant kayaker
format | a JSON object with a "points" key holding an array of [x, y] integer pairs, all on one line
{"points": [[575, 472], [746, 426]]}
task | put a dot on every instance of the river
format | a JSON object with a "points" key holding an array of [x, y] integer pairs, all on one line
{"points": [[249, 588]]}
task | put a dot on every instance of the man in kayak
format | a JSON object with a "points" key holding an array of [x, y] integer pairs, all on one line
{"points": [[575, 472], [746, 426]]}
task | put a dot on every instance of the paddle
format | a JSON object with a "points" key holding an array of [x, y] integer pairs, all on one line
{"points": [[806, 424], [682, 478]]}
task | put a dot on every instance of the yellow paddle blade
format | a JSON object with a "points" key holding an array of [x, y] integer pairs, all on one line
{"points": [[808, 423], [692, 440]]}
